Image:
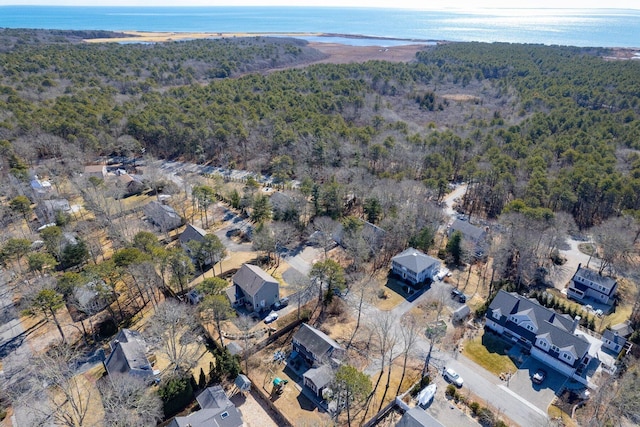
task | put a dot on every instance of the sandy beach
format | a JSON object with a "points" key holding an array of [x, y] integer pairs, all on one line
{"points": [[337, 53]]}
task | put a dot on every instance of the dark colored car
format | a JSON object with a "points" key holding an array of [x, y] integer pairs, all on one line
{"points": [[457, 295]]}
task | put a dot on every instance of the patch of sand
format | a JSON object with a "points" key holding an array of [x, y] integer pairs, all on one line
{"points": [[337, 53], [460, 97]]}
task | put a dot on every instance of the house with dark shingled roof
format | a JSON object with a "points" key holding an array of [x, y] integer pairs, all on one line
{"points": [[549, 336]]}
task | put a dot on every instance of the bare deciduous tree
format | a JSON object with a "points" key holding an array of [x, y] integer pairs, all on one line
{"points": [[615, 244], [410, 330], [173, 328], [128, 402], [55, 391]]}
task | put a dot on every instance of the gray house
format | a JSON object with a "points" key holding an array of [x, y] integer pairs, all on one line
{"points": [[191, 232], [254, 288], [92, 297], [129, 355], [317, 379], [216, 410], [587, 284], [48, 209], [418, 417], [414, 266], [476, 236], [613, 341], [163, 216], [316, 347]]}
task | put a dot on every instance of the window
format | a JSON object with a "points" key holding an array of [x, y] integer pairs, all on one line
{"points": [[224, 415], [554, 348]]}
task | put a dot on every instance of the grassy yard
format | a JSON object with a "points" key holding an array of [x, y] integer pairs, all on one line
{"points": [[489, 352], [394, 292]]}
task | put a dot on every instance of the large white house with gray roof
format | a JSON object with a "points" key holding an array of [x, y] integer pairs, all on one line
{"points": [[414, 266], [549, 336]]}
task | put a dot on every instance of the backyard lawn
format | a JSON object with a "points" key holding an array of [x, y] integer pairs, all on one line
{"points": [[490, 352]]}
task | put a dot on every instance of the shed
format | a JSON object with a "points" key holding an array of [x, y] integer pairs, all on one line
{"points": [[461, 313]]}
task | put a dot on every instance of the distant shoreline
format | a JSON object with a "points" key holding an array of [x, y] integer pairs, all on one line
{"points": [[168, 36]]}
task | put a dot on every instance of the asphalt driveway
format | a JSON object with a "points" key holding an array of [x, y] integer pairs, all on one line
{"points": [[540, 395]]}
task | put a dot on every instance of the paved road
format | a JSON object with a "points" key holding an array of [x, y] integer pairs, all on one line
{"points": [[488, 387], [450, 198]]}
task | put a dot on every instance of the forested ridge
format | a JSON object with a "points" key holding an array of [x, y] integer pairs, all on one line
{"points": [[554, 127]]}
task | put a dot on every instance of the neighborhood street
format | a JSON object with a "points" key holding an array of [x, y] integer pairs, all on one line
{"points": [[488, 388]]}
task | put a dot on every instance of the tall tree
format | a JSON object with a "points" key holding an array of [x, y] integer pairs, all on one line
{"points": [[204, 195], [128, 402], [16, 249], [216, 308], [48, 302], [353, 387], [454, 248], [410, 330], [260, 209], [327, 274], [208, 251], [181, 268], [21, 205], [56, 392], [173, 327], [53, 239], [40, 262]]}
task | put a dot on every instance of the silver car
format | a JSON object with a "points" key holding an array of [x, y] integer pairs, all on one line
{"points": [[453, 377]]}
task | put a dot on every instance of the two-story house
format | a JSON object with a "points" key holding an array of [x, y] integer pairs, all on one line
{"points": [[549, 336], [414, 266], [474, 235], [320, 352], [316, 347], [254, 288], [129, 355], [587, 284], [216, 410]]}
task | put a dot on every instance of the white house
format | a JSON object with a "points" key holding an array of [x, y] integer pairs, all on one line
{"points": [[414, 266], [549, 336]]}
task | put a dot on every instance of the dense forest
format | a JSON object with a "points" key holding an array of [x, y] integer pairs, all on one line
{"points": [[552, 127]]}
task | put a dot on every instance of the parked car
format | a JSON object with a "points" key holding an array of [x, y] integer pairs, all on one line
{"points": [[539, 376], [442, 273], [281, 303], [453, 377], [457, 295], [271, 317]]}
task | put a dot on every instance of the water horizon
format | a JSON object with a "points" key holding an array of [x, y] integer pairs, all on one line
{"points": [[549, 26]]}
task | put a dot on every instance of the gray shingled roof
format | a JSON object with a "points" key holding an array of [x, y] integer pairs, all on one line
{"points": [[594, 277], [250, 278], [414, 260], [624, 329], [557, 328], [418, 417], [128, 353], [613, 337], [314, 340], [192, 233], [320, 376], [469, 231], [213, 398], [163, 215], [216, 411]]}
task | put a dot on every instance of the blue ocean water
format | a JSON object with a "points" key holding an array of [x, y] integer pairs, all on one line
{"points": [[576, 27]]}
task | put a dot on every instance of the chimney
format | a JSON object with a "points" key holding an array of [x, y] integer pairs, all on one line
{"points": [[576, 322]]}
